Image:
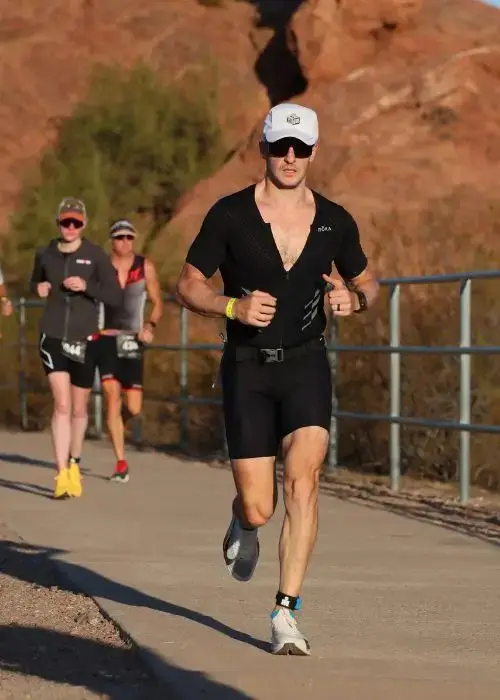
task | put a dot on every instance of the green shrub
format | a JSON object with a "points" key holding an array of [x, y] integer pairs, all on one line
{"points": [[130, 149]]}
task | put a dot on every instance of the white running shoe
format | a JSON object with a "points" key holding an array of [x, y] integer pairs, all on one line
{"points": [[285, 636], [241, 551]]}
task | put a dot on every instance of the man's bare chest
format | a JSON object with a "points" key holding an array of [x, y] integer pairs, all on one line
{"points": [[291, 235]]}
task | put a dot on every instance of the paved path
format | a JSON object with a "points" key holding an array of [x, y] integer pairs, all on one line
{"points": [[394, 608]]}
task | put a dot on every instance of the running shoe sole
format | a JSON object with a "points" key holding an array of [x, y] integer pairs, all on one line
{"points": [[119, 479], [230, 563], [290, 649]]}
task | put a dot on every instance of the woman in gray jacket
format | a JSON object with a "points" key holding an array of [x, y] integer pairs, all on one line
{"points": [[73, 275]]}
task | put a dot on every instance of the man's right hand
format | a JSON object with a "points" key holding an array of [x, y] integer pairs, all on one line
{"points": [[43, 289], [256, 309]]}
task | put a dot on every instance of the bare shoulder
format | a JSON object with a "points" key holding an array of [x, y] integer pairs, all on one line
{"points": [[150, 270]]}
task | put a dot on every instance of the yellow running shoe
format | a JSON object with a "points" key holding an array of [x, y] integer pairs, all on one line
{"points": [[74, 479], [61, 489]]}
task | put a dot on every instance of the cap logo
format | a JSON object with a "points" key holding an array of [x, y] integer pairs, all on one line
{"points": [[293, 119]]}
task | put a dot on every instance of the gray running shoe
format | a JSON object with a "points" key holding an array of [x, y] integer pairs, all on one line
{"points": [[241, 551], [285, 636]]}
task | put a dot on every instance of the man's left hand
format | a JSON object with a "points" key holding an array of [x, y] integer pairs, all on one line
{"points": [[342, 301], [146, 335]]}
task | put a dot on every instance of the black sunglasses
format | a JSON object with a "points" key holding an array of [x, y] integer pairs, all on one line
{"points": [[279, 149], [123, 237], [66, 223]]}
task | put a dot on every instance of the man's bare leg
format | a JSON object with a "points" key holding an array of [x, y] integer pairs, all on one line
{"points": [[256, 490], [253, 505], [304, 452]]}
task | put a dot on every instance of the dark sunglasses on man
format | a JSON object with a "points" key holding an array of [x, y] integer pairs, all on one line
{"points": [[123, 237], [279, 149]]}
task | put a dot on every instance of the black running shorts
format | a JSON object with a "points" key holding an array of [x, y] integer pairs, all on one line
{"points": [[128, 372], [264, 402], [81, 373]]}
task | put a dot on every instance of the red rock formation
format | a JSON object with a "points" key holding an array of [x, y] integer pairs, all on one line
{"points": [[407, 95], [48, 49]]}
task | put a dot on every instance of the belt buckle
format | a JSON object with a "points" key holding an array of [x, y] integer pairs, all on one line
{"points": [[272, 355]]}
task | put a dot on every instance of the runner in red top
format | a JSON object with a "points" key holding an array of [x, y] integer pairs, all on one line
{"points": [[124, 334]]}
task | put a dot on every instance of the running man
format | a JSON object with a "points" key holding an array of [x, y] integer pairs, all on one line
{"points": [[275, 244], [73, 275], [121, 346]]}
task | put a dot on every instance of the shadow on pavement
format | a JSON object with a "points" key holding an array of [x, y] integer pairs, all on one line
{"points": [[22, 459], [64, 658], [475, 522], [27, 488], [95, 585]]}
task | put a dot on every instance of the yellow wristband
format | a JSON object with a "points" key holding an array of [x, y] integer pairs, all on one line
{"points": [[229, 308]]}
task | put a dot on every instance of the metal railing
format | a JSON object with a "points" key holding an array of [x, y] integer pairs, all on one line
{"points": [[464, 350], [184, 398]]}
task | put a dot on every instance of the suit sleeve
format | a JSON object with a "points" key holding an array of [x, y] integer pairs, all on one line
{"points": [[208, 250], [351, 259], [104, 285]]}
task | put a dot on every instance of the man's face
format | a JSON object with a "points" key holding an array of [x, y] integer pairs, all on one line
{"points": [[70, 228], [122, 243], [288, 161]]}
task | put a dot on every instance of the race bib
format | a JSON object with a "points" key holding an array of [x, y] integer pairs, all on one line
{"points": [[75, 350], [128, 347]]}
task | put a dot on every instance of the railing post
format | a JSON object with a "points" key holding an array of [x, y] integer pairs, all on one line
{"points": [[465, 387], [395, 386], [333, 440], [23, 402], [183, 376]]}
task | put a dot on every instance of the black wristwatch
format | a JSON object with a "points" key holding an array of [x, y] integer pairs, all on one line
{"points": [[151, 323], [363, 305]]}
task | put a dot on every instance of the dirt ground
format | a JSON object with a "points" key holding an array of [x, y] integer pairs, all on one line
{"points": [[55, 644]]}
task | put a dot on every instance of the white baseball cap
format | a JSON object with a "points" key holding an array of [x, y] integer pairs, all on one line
{"points": [[288, 120]]}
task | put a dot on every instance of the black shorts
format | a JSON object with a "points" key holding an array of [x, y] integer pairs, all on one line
{"points": [[81, 374], [129, 373], [265, 402]]}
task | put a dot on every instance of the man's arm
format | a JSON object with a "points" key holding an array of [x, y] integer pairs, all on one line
{"points": [[352, 265], [105, 286], [194, 291], [154, 292], [206, 254], [367, 283]]}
